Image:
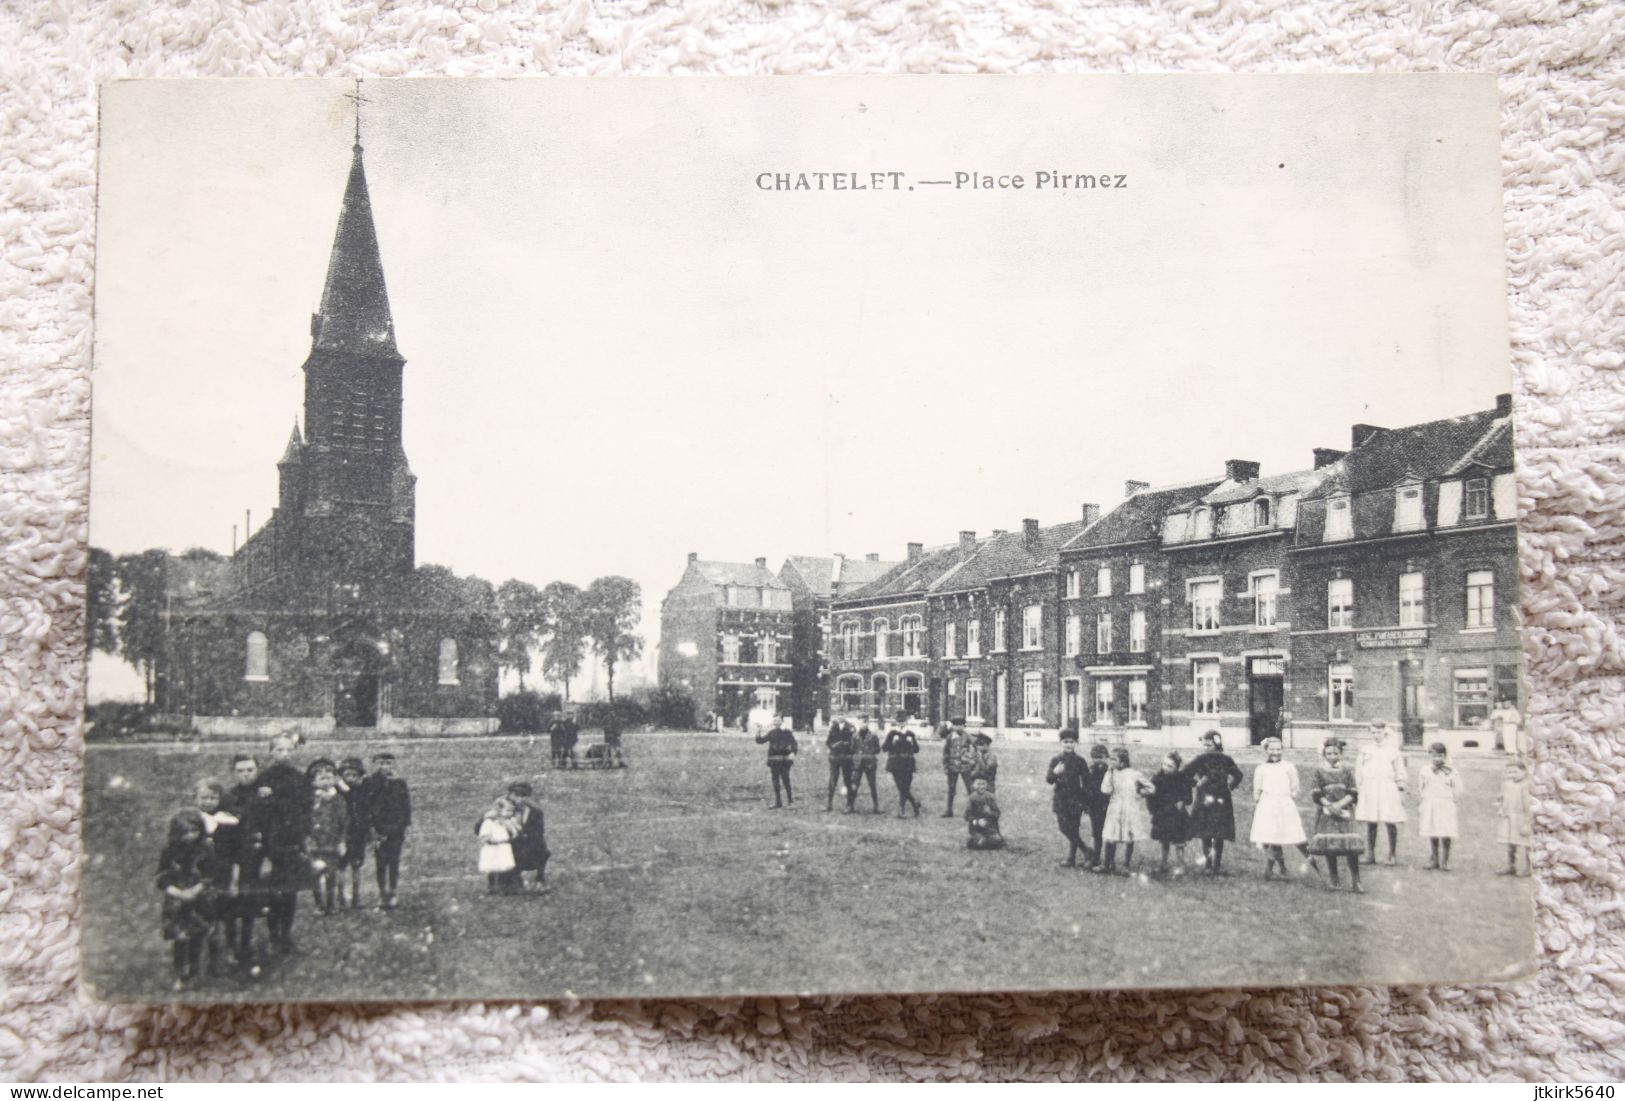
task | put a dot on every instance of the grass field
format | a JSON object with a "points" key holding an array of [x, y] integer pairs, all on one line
{"points": [[675, 877]]}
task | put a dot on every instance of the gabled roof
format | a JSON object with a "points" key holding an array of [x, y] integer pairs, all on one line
{"points": [[816, 575], [745, 575], [1012, 555], [858, 572], [916, 578], [1297, 481], [1139, 518], [1427, 451]]}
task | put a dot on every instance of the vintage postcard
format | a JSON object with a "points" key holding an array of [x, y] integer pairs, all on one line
{"points": [[739, 537]]}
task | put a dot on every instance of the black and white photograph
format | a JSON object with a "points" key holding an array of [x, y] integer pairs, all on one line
{"points": [[864, 535]]}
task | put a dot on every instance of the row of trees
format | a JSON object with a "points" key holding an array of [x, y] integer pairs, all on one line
{"points": [[128, 595], [561, 622]]}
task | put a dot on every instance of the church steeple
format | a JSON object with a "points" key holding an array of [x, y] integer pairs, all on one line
{"points": [[354, 315]]}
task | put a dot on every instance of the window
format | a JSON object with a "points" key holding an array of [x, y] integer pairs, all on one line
{"points": [[953, 686], [973, 638], [1136, 702], [769, 650], [1478, 498], [1201, 524], [1136, 578], [1136, 631], [1339, 525], [1103, 581], [732, 594], [257, 666], [1074, 635], [1103, 633], [998, 630], [882, 638], [851, 689], [448, 661], [849, 640], [950, 639], [1408, 508], [1411, 611], [730, 649], [1340, 693], [1472, 697], [1074, 585], [1340, 603], [1205, 597], [1261, 513], [1103, 701], [1205, 686], [1032, 697], [1264, 586], [1032, 627], [1481, 598], [747, 650], [912, 689], [973, 698], [912, 628]]}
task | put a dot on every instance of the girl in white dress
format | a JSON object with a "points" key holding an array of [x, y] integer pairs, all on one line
{"points": [[497, 830], [1127, 819], [1276, 821], [1438, 785], [1380, 780]]}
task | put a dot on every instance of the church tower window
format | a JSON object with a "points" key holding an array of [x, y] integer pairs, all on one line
{"points": [[448, 661], [257, 664]]}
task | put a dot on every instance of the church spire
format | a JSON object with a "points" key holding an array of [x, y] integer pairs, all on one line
{"points": [[354, 315]]}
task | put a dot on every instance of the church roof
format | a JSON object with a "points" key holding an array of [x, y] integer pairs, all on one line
{"points": [[296, 445], [354, 315]]}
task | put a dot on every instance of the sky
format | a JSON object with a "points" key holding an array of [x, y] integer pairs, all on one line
{"points": [[620, 349]]}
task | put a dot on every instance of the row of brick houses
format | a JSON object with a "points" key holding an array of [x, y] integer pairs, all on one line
{"points": [[1379, 583]]}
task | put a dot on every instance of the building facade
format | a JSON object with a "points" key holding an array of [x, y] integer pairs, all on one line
{"points": [[726, 635], [321, 620], [814, 583]]}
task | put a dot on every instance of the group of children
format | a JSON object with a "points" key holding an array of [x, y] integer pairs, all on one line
{"points": [[244, 851]]}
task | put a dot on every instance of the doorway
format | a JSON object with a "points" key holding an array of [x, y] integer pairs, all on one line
{"points": [[1266, 691], [1410, 702]]}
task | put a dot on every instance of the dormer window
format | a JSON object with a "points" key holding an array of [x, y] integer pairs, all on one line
{"points": [[1201, 524], [1478, 499], [1408, 508], [1261, 513], [1339, 524]]}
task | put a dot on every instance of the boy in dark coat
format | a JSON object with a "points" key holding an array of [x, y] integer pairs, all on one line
{"points": [[839, 744], [357, 823], [530, 851], [865, 761], [1095, 800], [389, 809], [982, 816], [285, 794], [1068, 774], [781, 754]]}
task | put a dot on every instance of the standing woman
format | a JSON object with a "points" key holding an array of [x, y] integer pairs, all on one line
{"points": [[1381, 778], [1213, 816], [901, 748]]}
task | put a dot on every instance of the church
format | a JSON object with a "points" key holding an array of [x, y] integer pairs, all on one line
{"points": [[321, 620]]}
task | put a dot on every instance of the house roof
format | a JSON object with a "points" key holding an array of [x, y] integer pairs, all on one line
{"points": [[918, 577], [1423, 451], [1140, 517], [1298, 481], [746, 575], [838, 575], [1012, 554]]}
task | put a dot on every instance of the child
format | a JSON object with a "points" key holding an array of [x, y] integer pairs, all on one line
{"points": [[1095, 801], [243, 802], [185, 874], [530, 852], [1335, 833], [1126, 820], [221, 836], [497, 830], [1170, 821], [1380, 775], [352, 782], [1514, 827], [1215, 777], [389, 813], [285, 802], [865, 757], [982, 816], [1069, 776], [1438, 785], [328, 824], [1276, 822]]}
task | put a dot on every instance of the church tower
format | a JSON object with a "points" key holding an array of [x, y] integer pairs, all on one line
{"points": [[347, 481]]}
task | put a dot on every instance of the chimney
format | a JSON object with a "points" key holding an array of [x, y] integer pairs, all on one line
{"points": [[967, 542], [693, 556], [1503, 405], [915, 551], [1240, 470], [761, 563], [1091, 513], [1029, 532], [1130, 488], [872, 556], [1326, 456], [1364, 432], [1001, 531]]}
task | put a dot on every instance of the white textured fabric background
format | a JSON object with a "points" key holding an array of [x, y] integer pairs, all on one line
{"points": [[1563, 88]]}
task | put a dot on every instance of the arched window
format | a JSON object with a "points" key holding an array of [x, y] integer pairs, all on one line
{"points": [[849, 640], [448, 661], [912, 687], [851, 693], [882, 698], [882, 639], [257, 666]]}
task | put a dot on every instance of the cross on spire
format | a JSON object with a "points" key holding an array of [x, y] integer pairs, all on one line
{"points": [[358, 99]]}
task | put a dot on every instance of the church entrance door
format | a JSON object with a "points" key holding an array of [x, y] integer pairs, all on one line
{"points": [[357, 701]]}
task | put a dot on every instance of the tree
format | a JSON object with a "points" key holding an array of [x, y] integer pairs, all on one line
{"points": [[614, 607], [566, 643], [142, 598], [101, 602], [521, 620]]}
